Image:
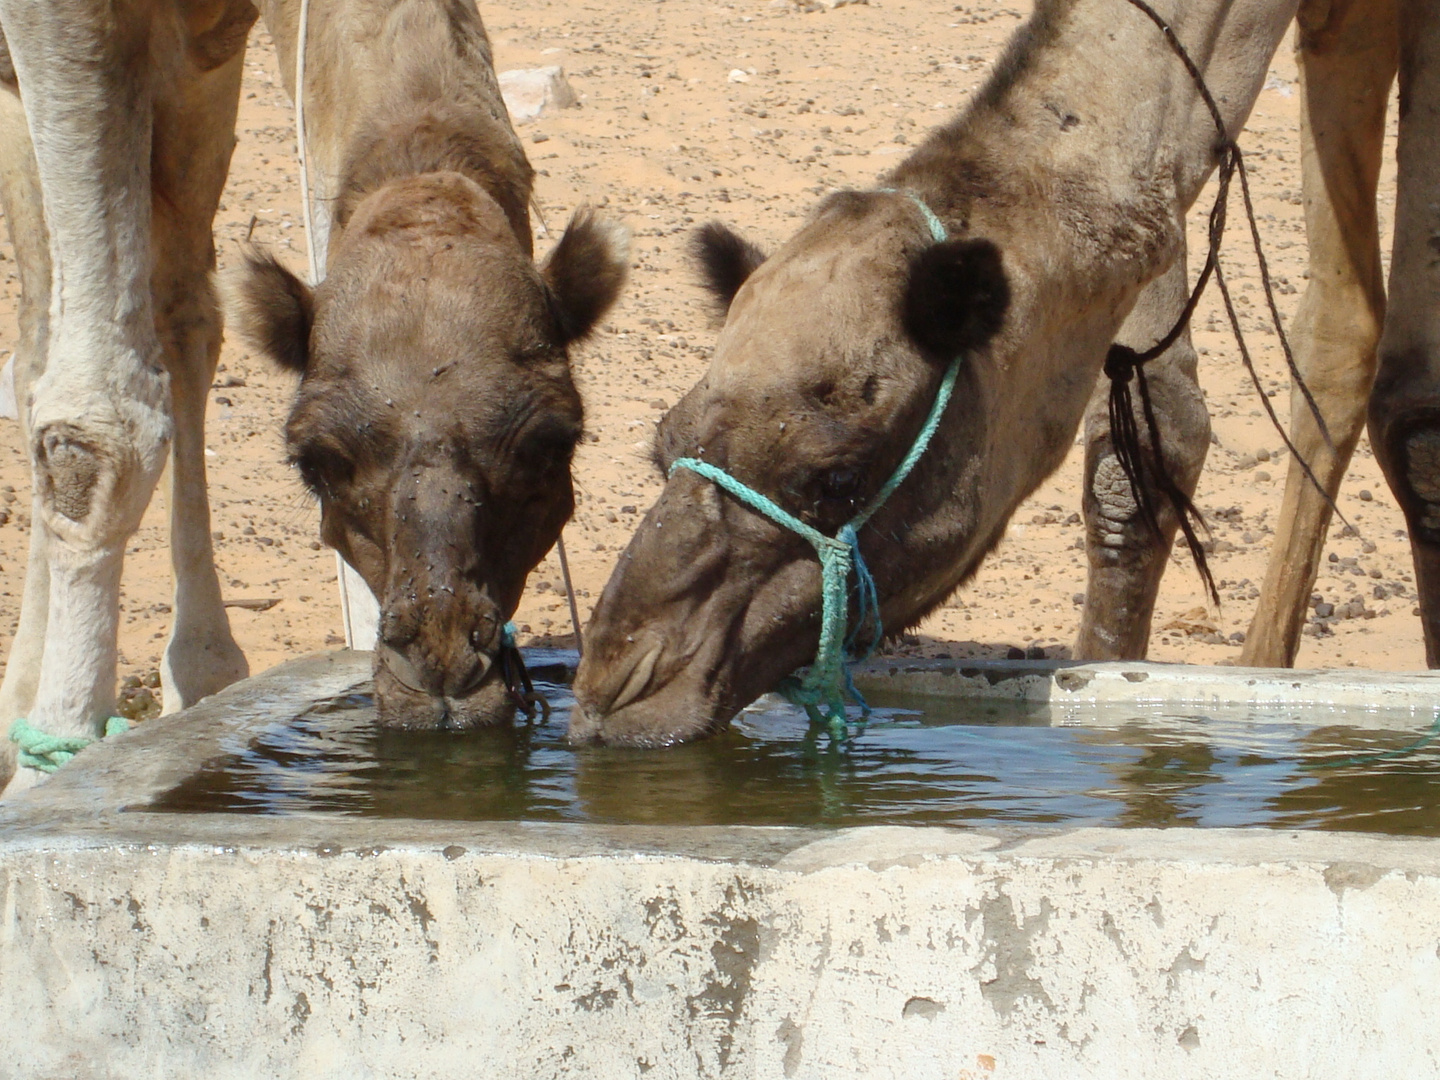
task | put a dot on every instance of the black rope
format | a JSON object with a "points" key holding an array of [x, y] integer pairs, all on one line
{"points": [[1123, 363], [518, 685]]}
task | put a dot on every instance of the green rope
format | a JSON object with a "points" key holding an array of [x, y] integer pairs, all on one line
{"points": [[48, 752], [823, 687]]}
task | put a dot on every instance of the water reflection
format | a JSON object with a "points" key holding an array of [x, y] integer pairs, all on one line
{"points": [[919, 762]]}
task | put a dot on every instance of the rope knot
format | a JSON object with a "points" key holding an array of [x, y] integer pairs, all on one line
{"points": [[45, 752], [1121, 362]]}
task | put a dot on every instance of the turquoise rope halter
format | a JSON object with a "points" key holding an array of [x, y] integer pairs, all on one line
{"points": [[823, 687], [48, 752]]}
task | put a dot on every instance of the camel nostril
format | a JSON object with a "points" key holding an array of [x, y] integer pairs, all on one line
{"points": [[639, 678], [402, 670]]}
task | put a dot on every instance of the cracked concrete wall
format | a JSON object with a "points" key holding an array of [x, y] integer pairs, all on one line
{"points": [[914, 953]]}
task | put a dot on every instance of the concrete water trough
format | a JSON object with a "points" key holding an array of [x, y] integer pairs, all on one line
{"points": [[148, 944]]}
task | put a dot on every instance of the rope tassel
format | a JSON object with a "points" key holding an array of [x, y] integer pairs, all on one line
{"points": [[1121, 365]]}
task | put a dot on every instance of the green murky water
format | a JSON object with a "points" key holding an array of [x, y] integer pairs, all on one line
{"points": [[920, 761]]}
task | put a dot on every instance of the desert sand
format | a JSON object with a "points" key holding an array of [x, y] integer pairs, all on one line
{"points": [[748, 111]]}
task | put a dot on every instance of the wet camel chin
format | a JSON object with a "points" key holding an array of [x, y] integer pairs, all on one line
{"points": [[399, 705]]}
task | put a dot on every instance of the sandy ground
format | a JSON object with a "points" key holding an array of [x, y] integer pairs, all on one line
{"points": [[748, 112]]}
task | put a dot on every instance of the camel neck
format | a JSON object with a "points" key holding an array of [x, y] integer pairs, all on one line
{"points": [[1054, 121]]}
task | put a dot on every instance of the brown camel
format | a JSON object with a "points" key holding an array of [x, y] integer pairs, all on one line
{"points": [[436, 415], [1348, 53], [1062, 188]]}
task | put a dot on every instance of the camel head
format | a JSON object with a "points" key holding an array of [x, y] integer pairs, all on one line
{"points": [[435, 420], [829, 360]]}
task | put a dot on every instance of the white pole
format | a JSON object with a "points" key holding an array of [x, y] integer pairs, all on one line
{"points": [[359, 610]]}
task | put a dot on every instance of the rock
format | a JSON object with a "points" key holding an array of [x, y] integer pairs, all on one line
{"points": [[1324, 611], [532, 92], [1365, 495], [1262, 454], [1035, 652], [1194, 622], [738, 75], [1238, 637], [1014, 653], [826, 5]]}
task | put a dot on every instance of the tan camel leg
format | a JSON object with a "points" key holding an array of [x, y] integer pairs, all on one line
{"points": [[99, 413], [1347, 55], [1405, 405], [24, 214], [1125, 561], [193, 138]]}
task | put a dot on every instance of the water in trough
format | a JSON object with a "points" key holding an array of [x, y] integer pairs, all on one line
{"points": [[919, 761]]}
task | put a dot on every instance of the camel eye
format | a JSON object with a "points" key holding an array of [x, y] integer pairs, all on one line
{"points": [[841, 483], [321, 468]]}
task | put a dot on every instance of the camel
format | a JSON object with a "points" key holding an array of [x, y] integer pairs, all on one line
{"points": [[1060, 193], [436, 415], [1348, 53], [113, 170], [131, 115]]}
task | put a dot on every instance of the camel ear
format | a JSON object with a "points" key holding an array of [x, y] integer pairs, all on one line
{"points": [[274, 310], [586, 272], [956, 297], [726, 260]]}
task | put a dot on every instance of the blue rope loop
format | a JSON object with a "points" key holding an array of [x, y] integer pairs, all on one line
{"points": [[823, 688], [47, 753]]}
